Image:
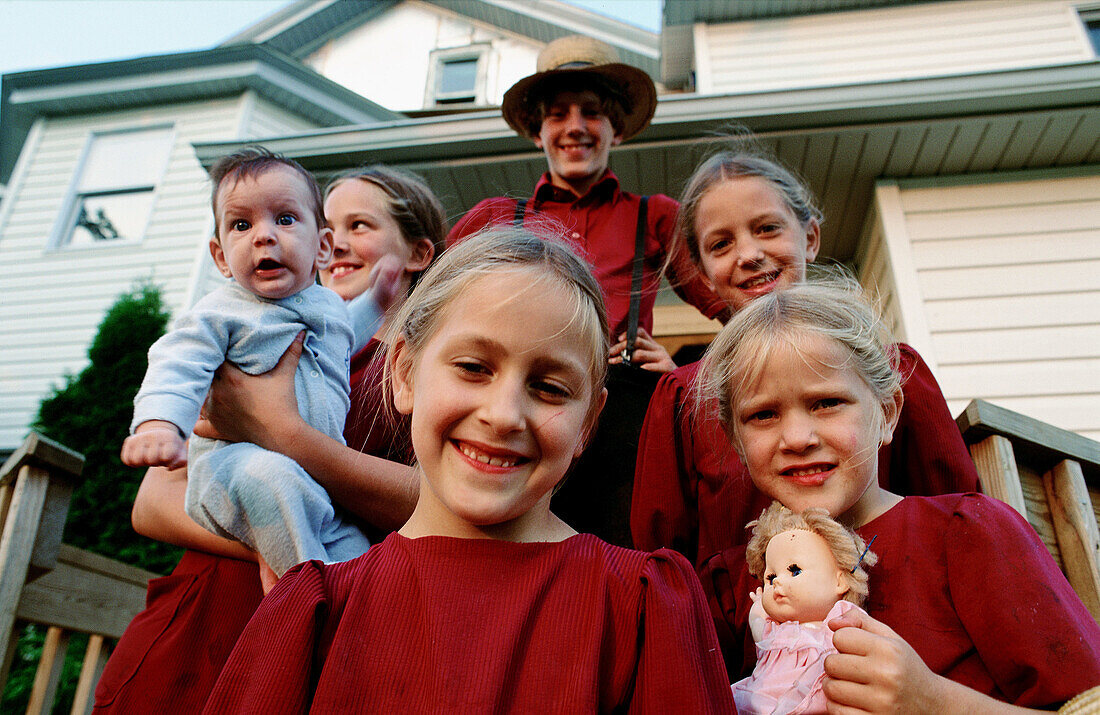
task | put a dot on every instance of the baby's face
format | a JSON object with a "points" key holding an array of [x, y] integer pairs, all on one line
{"points": [[801, 578], [270, 241]]}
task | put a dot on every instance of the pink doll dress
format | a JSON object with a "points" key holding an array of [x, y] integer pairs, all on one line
{"points": [[790, 667]]}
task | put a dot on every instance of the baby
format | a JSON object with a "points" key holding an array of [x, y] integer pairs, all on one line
{"points": [[270, 238]]}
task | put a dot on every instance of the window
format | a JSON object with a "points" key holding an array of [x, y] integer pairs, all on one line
{"points": [[1091, 18], [113, 191], [457, 76]]}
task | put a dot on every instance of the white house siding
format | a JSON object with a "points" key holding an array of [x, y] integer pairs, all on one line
{"points": [[266, 119], [54, 299], [387, 58], [924, 40], [1008, 272]]}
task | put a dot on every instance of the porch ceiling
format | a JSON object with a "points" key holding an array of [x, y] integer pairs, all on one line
{"points": [[841, 139]]}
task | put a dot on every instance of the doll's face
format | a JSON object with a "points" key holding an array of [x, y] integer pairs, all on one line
{"points": [[801, 579]]}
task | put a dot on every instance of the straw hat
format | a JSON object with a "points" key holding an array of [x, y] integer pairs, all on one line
{"points": [[632, 87]]}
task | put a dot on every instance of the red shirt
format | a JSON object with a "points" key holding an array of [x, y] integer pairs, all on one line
{"points": [[445, 625], [602, 225], [692, 494], [966, 582]]}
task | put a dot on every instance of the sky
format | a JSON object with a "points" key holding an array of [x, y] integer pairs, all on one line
{"points": [[36, 34]]}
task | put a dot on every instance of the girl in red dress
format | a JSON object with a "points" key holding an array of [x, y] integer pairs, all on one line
{"points": [[485, 601], [967, 611]]}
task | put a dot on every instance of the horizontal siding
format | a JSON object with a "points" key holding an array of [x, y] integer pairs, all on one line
{"points": [[55, 299], [922, 40], [270, 120], [1009, 272]]}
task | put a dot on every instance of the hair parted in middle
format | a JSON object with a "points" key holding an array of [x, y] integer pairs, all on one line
{"points": [[746, 157], [846, 545], [252, 161], [412, 205], [830, 304], [490, 251]]}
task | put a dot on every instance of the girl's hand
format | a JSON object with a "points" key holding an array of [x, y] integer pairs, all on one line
{"points": [[876, 671], [648, 353], [385, 281], [261, 409]]}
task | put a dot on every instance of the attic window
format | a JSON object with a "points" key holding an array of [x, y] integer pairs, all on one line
{"points": [[1091, 18], [112, 197], [457, 76]]}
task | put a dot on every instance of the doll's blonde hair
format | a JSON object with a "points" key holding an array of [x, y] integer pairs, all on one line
{"points": [[845, 544]]}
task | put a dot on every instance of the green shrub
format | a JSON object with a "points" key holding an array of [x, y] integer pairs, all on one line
{"points": [[91, 413]]}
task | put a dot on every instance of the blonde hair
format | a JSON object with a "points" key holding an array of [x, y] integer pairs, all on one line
{"points": [[830, 304], [495, 249], [746, 158], [846, 545]]}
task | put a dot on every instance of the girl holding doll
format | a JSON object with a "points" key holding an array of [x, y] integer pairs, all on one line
{"points": [[484, 601], [172, 652], [751, 228], [967, 611]]}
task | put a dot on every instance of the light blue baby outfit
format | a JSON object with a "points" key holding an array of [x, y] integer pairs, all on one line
{"points": [[242, 491]]}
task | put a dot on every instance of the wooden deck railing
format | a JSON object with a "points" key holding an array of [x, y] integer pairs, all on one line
{"points": [[1049, 475], [46, 582]]}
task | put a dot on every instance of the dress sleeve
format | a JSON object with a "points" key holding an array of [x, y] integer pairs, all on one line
{"points": [[271, 669], [485, 213], [927, 455], [664, 508], [1035, 638], [684, 277], [679, 665]]}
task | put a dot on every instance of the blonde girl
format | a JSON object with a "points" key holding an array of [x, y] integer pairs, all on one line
{"points": [[967, 610], [485, 601], [751, 227]]}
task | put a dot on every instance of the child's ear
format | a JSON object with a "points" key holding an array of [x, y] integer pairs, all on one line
{"points": [[597, 408], [813, 240], [422, 255], [400, 364], [325, 247], [218, 255], [891, 412]]}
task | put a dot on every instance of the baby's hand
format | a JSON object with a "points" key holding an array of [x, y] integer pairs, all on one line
{"points": [[385, 281], [875, 670], [756, 595], [155, 443]]}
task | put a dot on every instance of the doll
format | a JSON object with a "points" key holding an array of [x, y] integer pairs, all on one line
{"points": [[812, 571]]}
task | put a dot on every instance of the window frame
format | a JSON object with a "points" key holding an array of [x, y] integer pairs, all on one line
{"points": [[435, 98], [64, 228], [1089, 15]]}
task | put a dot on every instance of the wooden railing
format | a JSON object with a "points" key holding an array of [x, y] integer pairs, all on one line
{"points": [[46, 582], [1049, 475]]}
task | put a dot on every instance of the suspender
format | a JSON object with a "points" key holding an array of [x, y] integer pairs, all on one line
{"points": [[635, 276], [636, 281]]}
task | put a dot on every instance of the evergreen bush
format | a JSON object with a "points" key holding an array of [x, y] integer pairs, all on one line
{"points": [[90, 413]]}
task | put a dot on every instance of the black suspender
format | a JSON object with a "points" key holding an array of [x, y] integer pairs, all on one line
{"points": [[635, 276], [636, 281]]}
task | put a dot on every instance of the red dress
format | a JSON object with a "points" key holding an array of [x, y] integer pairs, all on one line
{"points": [[968, 584], [602, 224], [445, 625], [172, 652], [692, 494]]}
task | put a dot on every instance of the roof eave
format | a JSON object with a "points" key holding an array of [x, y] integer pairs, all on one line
{"points": [[178, 77], [485, 134]]}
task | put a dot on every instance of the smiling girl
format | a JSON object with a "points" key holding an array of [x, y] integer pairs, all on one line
{"points": [[967, 610], [485, 601], [751, 228]]}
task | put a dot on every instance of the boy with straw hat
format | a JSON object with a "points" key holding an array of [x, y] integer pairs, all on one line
{"points": [[581, 102]]}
